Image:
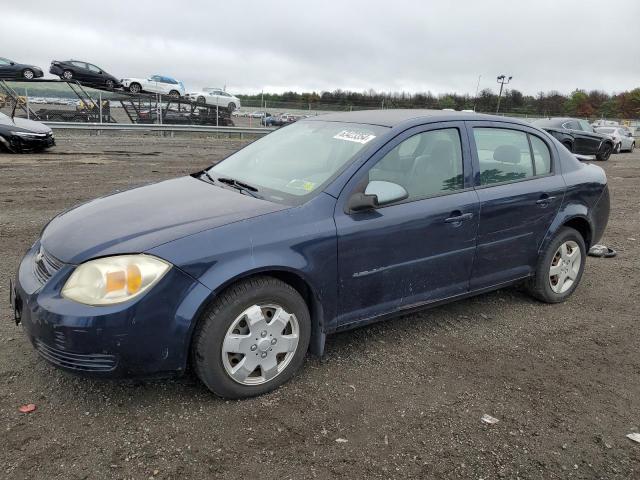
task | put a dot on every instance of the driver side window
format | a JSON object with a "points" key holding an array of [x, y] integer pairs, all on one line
{"points": [[426, 164]]}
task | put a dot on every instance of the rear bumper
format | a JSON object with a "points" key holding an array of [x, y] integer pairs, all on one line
{"points": [[146, 337], [600, 215]]}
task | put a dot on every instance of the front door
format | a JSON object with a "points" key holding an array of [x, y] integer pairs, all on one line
{"points": [[417, 250], [520, 192]]}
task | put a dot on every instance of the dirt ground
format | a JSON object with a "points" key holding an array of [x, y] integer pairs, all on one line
{"points": [[400, 399]]}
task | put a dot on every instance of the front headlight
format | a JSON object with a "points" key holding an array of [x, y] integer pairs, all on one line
{"points": [[110, 280]]}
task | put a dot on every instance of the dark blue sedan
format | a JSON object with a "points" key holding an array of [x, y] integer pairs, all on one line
{"points": [[330, 223]]}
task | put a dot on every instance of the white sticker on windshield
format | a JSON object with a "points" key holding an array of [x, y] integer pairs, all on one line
{"points": [[353, 136]]}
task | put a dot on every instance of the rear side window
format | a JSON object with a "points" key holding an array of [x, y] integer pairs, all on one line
{"points": [[504, 155], [541, 156]]}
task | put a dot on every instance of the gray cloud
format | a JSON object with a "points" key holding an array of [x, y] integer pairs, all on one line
{"points": [[308, 45]]}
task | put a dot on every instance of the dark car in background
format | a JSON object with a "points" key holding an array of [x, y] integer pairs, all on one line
{"points": [[578, 136], [85, 73], [10, 70], [331, 223], [21, 135]]}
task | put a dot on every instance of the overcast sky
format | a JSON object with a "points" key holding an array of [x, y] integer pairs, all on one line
{"points": [[306, 45]]}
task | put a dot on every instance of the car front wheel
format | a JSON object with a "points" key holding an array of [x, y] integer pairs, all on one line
{"points": [[231, 107], [28, 74], [174, 94], [560, 267], [605, 152], [252, 339], [618, 148], [67, 75]]}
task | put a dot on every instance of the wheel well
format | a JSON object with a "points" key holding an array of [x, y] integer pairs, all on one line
{"points": [[583, 228], [290, 278]]}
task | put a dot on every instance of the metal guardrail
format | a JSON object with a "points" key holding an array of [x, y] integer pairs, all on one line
{"points": [[158, 128]]}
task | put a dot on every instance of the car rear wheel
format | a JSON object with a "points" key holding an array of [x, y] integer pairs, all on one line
{"points": [[605, 152], [231, 107], [67, 75], [174, 94], [560, 267], [135, 88], [252, 339], [28, 74]]}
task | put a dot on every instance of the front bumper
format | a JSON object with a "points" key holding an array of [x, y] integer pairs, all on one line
{"points": [[148, 336], [27, 144]]}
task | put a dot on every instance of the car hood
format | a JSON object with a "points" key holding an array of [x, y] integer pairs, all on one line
{"points": [[142, 218], [24, 124]]}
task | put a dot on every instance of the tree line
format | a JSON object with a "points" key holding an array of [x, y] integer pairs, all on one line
{"points": [[580, 103]]}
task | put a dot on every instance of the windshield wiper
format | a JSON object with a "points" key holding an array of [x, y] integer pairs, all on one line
{"points": [[240, 186], [206, 174]]}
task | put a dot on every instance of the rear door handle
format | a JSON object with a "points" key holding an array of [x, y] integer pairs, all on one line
{"points": [[458, 217], [545, 200]]}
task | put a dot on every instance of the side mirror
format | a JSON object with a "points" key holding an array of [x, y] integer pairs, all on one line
{"points": [[377, 194], [13, 63]]}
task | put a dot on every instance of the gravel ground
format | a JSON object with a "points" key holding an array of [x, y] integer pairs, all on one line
{"points": [[400, 399]]}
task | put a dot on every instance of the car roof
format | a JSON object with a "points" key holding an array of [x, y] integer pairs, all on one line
{"points": [[391, 118]]}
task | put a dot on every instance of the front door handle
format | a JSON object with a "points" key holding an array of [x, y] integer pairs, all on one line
{"points": [[458, 216]]}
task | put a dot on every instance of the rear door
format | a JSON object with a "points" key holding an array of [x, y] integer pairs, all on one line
{"points": [[520, 188], [81, 71], [417, 250]]}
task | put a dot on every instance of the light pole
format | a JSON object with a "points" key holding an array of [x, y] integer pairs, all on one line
{"points": [[502, 80]]}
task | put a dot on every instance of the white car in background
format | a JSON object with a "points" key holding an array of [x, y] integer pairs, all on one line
{"points": [[215, 96], [622, 138], [154, 84]]}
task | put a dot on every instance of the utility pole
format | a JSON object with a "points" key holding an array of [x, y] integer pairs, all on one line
{"points": [[502, 80], [475, 100]]}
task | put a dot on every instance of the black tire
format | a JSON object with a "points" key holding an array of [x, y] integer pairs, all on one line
{"points": [[109, 84], [568, 146], [208, 338], [201, 100], [605, 152], [231, 107], [135, 87], [174, 94], [67, 75], [633, 147], [28, 74], [617, 148], [539, 286]]}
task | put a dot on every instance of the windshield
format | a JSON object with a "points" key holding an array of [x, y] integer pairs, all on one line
{"points": [[298, 160]]}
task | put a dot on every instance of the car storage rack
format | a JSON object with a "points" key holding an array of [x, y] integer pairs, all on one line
{"points": [[89, 110], [140, 107]]}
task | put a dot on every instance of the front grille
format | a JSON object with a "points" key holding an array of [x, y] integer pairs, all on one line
{"points": [[94, 362], [45, 265]]}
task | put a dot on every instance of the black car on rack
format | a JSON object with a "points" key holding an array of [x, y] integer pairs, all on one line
{"points": [[10, 70], [21, 135], [85, 73], [578, 136]]}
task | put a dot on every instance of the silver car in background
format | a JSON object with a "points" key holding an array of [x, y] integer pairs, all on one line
{"points": [[623, 139]]}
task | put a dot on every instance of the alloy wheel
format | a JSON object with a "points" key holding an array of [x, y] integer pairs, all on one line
{"points": [[67, 75], [565, 266], [28, 74], [260, 343]]}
